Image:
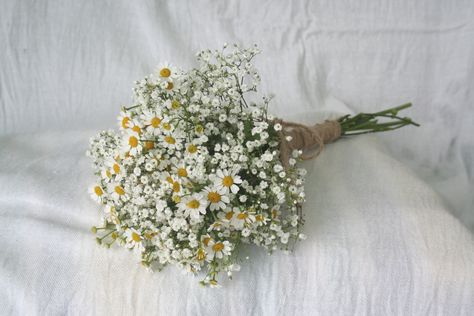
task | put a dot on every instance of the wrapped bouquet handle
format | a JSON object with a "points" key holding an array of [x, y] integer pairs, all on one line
{"points": [[311, 139]]}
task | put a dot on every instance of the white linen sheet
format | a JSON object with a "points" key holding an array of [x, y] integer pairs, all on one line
{"points": [[379, 243], [380, 240]]}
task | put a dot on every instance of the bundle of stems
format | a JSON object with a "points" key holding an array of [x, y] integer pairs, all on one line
{"points": [[364, 123]]}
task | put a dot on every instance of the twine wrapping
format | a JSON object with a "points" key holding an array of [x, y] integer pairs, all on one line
{"points": [[309, 139]]}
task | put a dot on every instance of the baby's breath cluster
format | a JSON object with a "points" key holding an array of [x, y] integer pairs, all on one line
{"points": [[194, 171]]}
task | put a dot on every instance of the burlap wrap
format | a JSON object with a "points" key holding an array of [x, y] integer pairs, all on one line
{"points": [[309, 139]]}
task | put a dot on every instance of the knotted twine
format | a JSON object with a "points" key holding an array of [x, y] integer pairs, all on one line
{"points": [[309, 139]]}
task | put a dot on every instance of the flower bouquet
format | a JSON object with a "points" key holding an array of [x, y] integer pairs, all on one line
{"points": [[197, 170]]}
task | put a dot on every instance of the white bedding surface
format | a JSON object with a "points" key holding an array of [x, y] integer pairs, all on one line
{"points": [[379, 243], [380, 240]]}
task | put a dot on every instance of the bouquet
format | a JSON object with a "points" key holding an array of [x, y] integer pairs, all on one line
{"points": [[196, 170]]}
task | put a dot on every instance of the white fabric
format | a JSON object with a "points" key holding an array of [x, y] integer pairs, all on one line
{"points": [[379, 243]]}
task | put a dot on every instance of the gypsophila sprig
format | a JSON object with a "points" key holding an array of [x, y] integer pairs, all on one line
{"points": [[195, 172]]}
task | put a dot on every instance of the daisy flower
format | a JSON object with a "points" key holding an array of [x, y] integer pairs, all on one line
{"points": [[96, 193], [227, 180], [116, 191], [133, 238], [131, 144], [201, 254], [152, 121], [111, 213], [106, 174], [124, 119], [114, 167], [135, 127], [166, 71], [261, 219], [216, 197], [191, 149], [193, 205], [170, 141], [242, 219], [218, 249], [181, 170], [227, 215]]}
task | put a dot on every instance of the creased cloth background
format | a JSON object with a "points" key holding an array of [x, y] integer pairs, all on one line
{"points": [[382, 242]]}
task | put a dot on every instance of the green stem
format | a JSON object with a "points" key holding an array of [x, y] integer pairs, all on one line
{"points": [[364, 123]]}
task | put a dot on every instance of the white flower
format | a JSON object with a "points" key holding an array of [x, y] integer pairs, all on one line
{"points": [[178, 223], [131, 144], [114, 168], [152, 121], [166, 71], [277, 127], [241, 219], [96, 193], [116, 191], [216, 197], [133, 238], [227, 180], [193, 205], [124, 120], [181, 170], [218, 249], [246, 232], [170, 140]]}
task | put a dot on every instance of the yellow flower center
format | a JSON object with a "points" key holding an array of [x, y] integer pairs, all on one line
{"points": [[242, 216], [136, 237], [133, 141], [170, 140], [165, 72], [169, 86], [137, 129], [175, 104], [206, 241], [176, 187], [98, 191], [227, 181], [119, 190], [218, 247], [199, 129], [108, 174], [201, 254], [125, 121], [192, 148], [167, 126], [182, 172], [176, 198], [169, 179], [150, 235], [259, 218], [155, 122], [229, 215], [149, 145], [214, 197], [274, 213], [194, 204], [116, 168]]}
